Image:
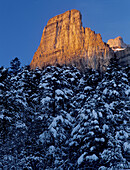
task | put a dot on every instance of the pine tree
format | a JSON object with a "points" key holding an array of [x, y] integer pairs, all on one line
{"points": [[15, 66]]}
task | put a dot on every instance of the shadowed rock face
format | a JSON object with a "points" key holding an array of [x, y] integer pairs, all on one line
{"points": [[124, 56], [65, 41]]}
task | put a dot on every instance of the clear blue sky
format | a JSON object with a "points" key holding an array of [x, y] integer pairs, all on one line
{"points": [[22, 23]]}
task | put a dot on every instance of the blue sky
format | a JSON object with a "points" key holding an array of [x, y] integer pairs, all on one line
{"points": [[22, 23]]}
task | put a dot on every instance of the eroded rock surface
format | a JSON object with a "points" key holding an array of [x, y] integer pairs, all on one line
{"points": [[65, 41]]}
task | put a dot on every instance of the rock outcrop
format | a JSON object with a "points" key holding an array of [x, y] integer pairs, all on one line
{"points": [[117, 44], [122, 50], [65, 41]]}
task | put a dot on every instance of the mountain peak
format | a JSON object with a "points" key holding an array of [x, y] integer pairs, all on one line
{"points": [[60, 17], [65, 41], [117, 43]]}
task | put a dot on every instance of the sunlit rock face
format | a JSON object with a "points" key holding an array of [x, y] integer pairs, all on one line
{"points": [[65, 41], [117, 44], [122, 50]]}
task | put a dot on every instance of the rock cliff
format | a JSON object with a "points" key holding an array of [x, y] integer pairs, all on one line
{"points": [[65, 41]]}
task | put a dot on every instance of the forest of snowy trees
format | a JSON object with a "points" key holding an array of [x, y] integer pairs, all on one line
{"points": [[59, 118]]}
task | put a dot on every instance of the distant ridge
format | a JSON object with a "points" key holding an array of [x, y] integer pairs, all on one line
{"points": [[122, 50], [117, 44]]}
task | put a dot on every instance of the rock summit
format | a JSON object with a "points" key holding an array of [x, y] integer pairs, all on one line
{"points": [[66, 41], [117, 43]]}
